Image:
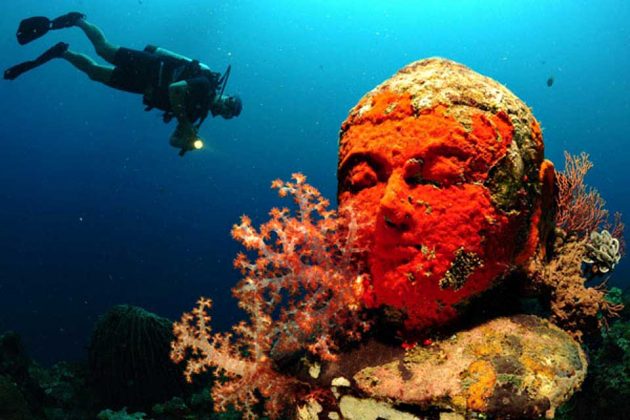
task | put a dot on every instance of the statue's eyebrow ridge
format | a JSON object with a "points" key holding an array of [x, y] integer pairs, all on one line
{"points": [[355, 158]]}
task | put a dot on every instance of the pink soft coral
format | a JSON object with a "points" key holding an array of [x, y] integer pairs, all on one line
{"points": [[301, 292]]}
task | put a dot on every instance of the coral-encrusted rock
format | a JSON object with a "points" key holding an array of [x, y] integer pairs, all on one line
{"points": [[518, 367], [443, 170]]}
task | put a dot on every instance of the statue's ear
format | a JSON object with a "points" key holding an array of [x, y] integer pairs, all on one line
{"points": [[549, 193], [548, 182], [542, 217]]}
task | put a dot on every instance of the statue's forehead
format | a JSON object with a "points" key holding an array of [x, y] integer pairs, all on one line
{"points": [[433, 84], [478, 142], [403, 139]]}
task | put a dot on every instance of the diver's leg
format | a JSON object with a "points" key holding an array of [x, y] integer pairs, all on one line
{"points": [[88, 66], [103, 47]]}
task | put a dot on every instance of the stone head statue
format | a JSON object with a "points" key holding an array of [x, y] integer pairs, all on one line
{"points": [[443, 170]]}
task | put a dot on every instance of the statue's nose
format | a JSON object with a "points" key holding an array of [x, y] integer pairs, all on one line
{"points": [[396, 209]]}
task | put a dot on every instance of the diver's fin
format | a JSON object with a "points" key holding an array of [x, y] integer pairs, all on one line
{"points": [[15, 71], [67, 20], [32, 28], [54, 52], [37, 26]]}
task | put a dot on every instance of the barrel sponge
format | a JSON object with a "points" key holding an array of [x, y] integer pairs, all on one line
{"points": [[129, 358]]}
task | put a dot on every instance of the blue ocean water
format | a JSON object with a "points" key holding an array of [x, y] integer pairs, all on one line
{"points": [[97, 209]]}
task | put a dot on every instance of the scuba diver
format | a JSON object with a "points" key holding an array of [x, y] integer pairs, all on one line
{"points": [[183, 88]]}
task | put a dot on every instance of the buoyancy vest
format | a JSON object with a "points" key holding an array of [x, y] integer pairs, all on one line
{"points": [[171, 70]]}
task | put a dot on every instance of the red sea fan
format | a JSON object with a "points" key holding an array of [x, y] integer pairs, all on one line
{"points": [[301, 287], [581, 210]]}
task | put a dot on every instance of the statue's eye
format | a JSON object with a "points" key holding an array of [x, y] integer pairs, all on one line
{"points": [[361, 176], [361, 171], [413, 171]]}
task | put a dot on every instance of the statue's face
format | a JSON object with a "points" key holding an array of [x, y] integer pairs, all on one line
{"points": [[422, 189]]}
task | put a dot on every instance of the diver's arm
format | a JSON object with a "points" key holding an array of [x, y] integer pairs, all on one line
{"points": [[177, 94]]}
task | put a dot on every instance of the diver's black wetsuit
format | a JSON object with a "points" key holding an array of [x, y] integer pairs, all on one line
{"points": [[151, 74]]}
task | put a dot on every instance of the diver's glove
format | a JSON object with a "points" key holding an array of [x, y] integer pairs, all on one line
{"points": [[185, 138], [183, 134]]}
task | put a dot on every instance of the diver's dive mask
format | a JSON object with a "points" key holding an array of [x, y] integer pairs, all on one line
{"points": [[226, 106], [235, 105]]}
